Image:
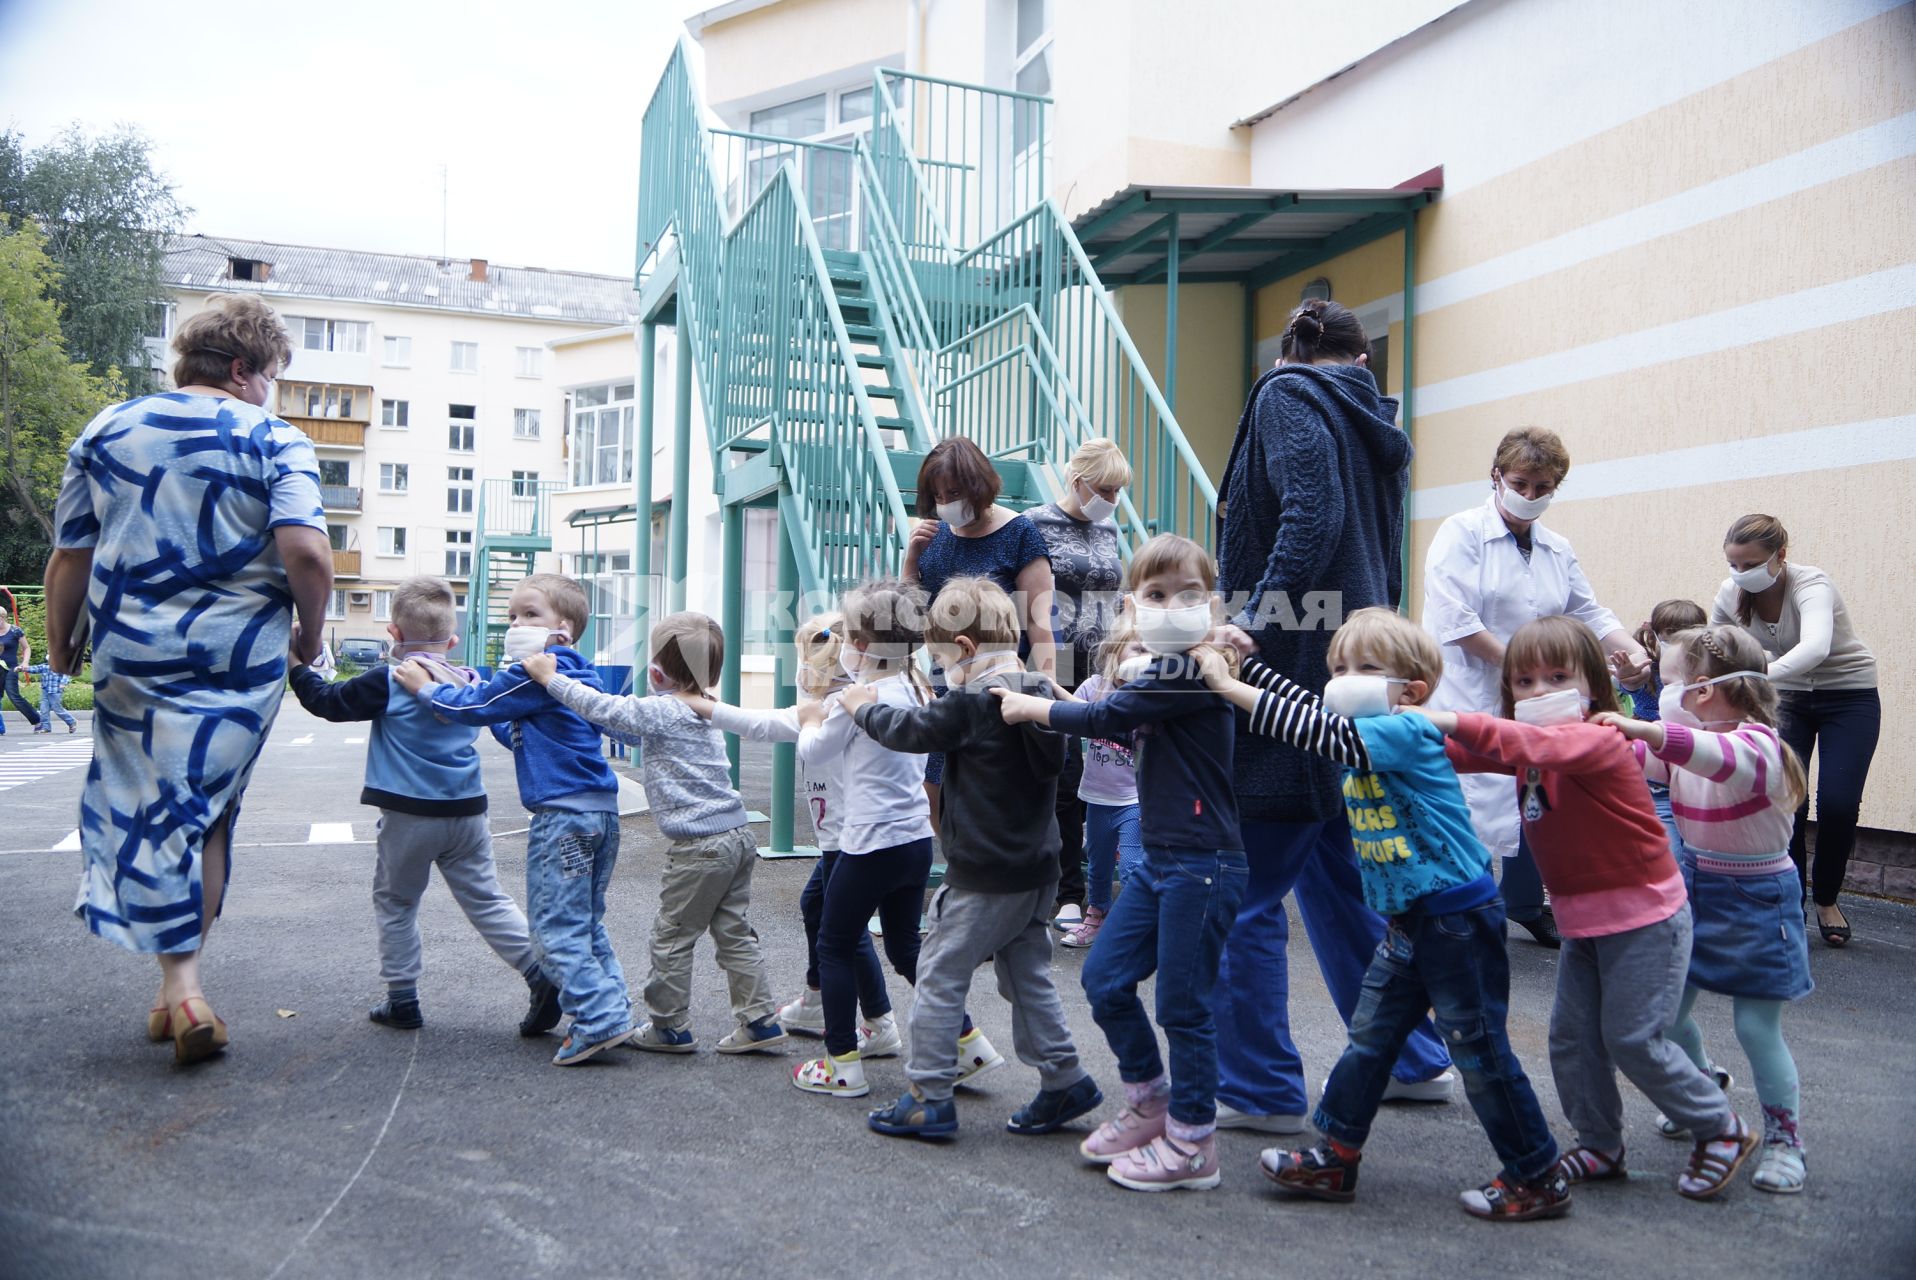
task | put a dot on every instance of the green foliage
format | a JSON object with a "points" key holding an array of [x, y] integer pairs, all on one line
{"points": [[45, 399]]}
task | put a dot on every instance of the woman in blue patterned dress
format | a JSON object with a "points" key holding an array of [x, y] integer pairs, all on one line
{"points": [[189, 526]]}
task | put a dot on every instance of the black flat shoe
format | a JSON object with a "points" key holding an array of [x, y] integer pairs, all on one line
{"points": [[1543, 929], [1835, 935]]}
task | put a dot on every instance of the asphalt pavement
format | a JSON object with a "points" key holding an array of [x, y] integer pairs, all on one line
{"points": [[322, 1145]]}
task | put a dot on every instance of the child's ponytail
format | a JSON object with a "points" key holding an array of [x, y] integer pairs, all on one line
{"points": [[1724, 650]]}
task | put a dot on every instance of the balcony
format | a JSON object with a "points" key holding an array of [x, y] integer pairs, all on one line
{"points": [[326, 433], [345, 564], [339, 497], [332, 414]]}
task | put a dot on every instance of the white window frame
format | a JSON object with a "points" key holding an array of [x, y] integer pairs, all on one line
{"points": [[396, 343], [453, 362], [382, 606], [528, 362], [395, 415], [837, 130], [589, 467], [456, 485], [395, 477], [345, 536], [336, 604], [470, 436], [525, 424], [392, 541], [167, 312], [1021, 58], [330, 334], [459, 553], [525, 484]]}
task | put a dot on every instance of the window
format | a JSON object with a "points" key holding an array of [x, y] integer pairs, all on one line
{"points": [[394, 477], [525, 424], [525, 484], [459, 490], [465, 357], [855, 104], [310, 333], [382, 606], [336, 603], [317, 400], [398, 353], [529, 362], [333, 472], [611, 593], [459, 556], [458, 602], [159, 320], [1031, 70], [459, 437], [392, 541], [799, 119], [248, 269], [602, 434], [336, 535], [395, 414]]}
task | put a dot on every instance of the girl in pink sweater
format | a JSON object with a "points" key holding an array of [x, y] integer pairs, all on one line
{"points": [[1619, 900], [1734, 788]]}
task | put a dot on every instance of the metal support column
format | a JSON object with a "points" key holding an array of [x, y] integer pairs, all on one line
{"points": [[681, 466], [732, 614], [1167, 486], [785, 693], [1407, 381], [642, 501]]}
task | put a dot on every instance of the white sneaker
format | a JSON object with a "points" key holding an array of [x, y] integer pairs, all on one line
{"points": [[879, 1039], [976, 1057], [804, 1016], [838, 1077], [1231, 1118], [1436, 1089], [1069, 917]]}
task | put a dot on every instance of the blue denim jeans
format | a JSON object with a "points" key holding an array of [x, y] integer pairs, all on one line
{"points": [[1660, 797], [1260, 1069], [569, 861], [1111, 847], [1455, 964], [1171, 920]]}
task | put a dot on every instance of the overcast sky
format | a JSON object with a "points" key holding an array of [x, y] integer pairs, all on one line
{"points": [[327, 123]]}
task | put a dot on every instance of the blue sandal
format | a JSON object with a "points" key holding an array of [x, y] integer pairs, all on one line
{"points": [[915, 1117]]}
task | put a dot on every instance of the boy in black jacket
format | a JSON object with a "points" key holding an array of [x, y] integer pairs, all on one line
{"points": [[1000, 835]]}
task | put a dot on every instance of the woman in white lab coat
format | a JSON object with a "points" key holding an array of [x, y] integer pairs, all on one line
{"points": [[1490, 570]]}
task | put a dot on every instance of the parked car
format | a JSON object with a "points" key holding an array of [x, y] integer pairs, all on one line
{"points": [[364, 653]]}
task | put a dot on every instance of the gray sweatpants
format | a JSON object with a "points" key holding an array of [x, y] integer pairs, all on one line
{"points": [[409, 847], [1617, 997], [707, 887], [1012, 930]]}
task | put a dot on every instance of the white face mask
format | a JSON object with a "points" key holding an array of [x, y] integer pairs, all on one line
{"points": [[1565, 706], [956, 514], [1519, 507], [1358, 696], [1670, 708], [1096, 508], [1173, 630], [523, 642], [1756, 578]]}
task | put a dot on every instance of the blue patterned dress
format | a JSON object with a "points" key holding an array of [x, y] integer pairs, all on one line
{"points": [[177, 497]]}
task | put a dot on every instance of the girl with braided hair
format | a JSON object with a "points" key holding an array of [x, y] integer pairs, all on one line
{"points": [[1734, 787]]}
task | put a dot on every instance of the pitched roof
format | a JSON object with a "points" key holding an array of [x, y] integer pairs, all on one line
{"points": [[203, 263]]}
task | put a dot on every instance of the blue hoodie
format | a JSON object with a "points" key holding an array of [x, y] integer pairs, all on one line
{"points": [[415, 762], [560, 763]]}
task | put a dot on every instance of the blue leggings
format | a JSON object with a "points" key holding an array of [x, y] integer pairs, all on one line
{"points": [[1759, 1029]]}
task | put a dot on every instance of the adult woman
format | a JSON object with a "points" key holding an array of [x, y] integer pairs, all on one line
{"points": [[1088, 573], [16, 653], [966, 533], [1490, 570], [189, 526], [1313, 512], [1826, 679]]}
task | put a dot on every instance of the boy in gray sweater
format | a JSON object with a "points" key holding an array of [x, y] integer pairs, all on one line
{"points": [[707, 883], [1000, 835]]}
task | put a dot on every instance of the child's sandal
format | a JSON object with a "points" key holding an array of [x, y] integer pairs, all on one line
{"points": [[1780, 1170], [1710, 1170], [1587, 1164]]}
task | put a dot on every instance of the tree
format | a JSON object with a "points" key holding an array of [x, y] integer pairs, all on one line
{"points": [[45, 399], [107, 216]]}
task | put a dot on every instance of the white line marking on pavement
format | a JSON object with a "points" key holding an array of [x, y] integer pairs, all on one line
{"points": [[70, 843], [370, 1152], [355, 742], [305, 741], [30, 764], [331, 833]]}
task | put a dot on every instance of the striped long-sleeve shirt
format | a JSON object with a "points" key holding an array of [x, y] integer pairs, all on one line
{"points": [[1729, 792]]}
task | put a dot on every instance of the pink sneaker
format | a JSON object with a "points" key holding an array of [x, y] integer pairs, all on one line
{"points": [[1127, 1131], [1165, 1164], [1087, 933]]}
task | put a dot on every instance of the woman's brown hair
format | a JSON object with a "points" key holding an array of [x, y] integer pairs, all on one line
{"points": [[1559, 642], [1709, 652], [1533, 449], [1764, 531], [959, 465], [1322, 330], [234, 326]]}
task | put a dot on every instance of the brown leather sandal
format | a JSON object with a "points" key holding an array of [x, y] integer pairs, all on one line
{"points": [[1711, 1172], [1587, 1164]]}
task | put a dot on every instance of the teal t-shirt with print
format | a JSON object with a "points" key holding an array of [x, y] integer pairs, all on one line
{"points": [[1409, 823]]}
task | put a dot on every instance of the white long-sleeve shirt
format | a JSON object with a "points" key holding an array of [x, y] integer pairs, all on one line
{"points": [[883, 791], [1812, 645], [820, 781]]}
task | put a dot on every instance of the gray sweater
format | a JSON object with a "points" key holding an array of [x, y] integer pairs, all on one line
{"points": [[684, 770]]}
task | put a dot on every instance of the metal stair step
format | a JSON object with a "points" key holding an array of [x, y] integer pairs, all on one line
{"points": [[873, 360]]}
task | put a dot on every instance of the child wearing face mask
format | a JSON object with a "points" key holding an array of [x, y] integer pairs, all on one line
{"points": [[706, 886], [1001, 851], [1734, 786], [1665, 621], [564, 781], [1109, 789], [818, 644], [1620, 904], [423, 774], [1426, 872], [885, 857], [1184, 898]]}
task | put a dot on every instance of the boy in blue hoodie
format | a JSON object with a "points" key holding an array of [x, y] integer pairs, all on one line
{"points": [[572, 795], [423, 774]]}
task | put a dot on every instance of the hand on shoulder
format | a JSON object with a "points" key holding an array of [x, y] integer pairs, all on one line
{"points": [[540, 667]]}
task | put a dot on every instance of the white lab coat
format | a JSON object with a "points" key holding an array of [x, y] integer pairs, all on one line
{"points": [[1476, 580]]}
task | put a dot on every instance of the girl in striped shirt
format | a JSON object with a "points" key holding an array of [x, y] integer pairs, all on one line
{"points": [[1734, 787]]}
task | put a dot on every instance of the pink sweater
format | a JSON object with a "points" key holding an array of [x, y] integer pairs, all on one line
{"points": [[1729, 792]]}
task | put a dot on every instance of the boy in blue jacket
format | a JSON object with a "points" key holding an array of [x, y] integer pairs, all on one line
{"points": [[572, 795], [423, 774]]}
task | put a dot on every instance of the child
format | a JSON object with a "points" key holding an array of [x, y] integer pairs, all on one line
{"points": [[886, 836], [1184, 898], [423, 775], [1109, 789], [817, 644], [53, 697], [1666, 620], [1619, 899], [573, 841], [1426, 872], [707, 882], [1734, 788], [1001, 841]]}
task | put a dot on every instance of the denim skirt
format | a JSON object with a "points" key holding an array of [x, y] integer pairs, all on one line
{"points": [[1748, 938]]}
